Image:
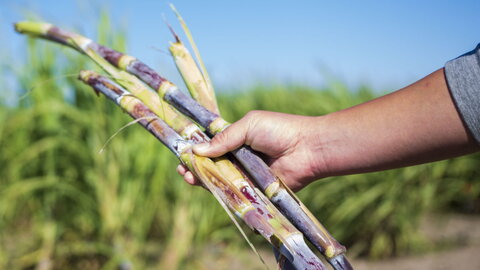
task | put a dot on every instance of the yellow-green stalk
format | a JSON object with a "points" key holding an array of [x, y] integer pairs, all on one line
{"points": [[193, 78]]}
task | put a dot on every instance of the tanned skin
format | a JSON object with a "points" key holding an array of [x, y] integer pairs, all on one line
{"points": [[416, 124]]}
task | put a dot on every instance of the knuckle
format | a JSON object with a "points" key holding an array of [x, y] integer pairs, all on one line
{"points": [[252, 117]]}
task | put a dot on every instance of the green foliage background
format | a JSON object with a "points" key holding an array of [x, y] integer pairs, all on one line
{"points": [[63, 204]]}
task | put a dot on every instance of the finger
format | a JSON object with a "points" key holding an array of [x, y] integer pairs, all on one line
{"points": [[187, 175], [189, 178], [181, 169], [228, 140]]}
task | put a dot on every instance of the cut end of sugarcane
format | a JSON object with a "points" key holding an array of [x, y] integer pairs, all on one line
{"points": [[85, 76], [340, 262], [32, 28], [51, 32]]}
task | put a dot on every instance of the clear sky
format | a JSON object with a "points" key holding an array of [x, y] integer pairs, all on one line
{"points": [[386, 44]]}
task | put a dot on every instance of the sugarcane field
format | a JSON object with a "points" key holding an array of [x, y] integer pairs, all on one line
{"points": [[306, 135]]}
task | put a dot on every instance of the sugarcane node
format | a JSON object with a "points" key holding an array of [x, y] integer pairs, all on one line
{"points": [[140, 110], [125, 61], [181, 146], [217, 125]]}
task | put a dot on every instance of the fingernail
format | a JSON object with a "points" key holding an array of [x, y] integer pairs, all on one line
{"points": [[201, 148]]}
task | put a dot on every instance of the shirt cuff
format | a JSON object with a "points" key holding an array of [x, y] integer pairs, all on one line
{"points": [[463, 79]]}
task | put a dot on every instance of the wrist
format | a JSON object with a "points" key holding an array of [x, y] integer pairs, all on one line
{"points": [[321, 143]]}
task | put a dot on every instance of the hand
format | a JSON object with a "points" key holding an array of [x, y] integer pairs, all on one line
{"points": [[414, 125], [287, 142]]}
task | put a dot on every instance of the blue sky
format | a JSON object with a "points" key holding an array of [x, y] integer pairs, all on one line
{"points": [[386, 44]]}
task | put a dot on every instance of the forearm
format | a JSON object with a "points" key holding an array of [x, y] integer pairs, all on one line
{"points": [[414, 125]]}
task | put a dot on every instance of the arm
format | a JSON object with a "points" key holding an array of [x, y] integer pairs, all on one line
{"points": [[416, 124], [413, 125]]}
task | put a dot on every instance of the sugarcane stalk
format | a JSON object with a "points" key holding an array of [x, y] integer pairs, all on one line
{"points": [[273, 187], [218, 176], [208, 94], [193, 78], [282, 262], [98, 54]]}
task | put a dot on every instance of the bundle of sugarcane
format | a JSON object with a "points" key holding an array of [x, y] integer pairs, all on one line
{"points": [[166, 113]]}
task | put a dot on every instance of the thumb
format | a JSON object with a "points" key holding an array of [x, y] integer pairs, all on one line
{"points": [[228, 140]]}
